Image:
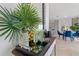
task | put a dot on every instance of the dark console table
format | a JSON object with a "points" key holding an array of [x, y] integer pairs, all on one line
{"points": [[48, 50]]}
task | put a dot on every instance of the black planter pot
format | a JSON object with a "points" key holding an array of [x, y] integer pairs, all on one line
{"points": [[47, 34]]}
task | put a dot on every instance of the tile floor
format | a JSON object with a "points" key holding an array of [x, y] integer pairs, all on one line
{"points": [[67, 48]]}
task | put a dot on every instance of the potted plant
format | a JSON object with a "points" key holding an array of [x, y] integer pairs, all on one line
{"points": [[22, 19], [75, 27]]}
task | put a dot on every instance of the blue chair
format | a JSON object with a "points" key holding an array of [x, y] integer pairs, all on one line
{"points": [[76, 34], [60, 34], [68, 34]]}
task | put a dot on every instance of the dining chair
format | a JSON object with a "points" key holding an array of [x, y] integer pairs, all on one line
{"points": [[60, 33], [76, 34], [68, 34]]}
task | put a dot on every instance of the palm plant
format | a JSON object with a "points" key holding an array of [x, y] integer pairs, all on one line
{"points": [[29, 18], [14, 23], [8, 25]]}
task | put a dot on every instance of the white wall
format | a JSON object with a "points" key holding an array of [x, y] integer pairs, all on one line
{"points": [[64, 9], [9, 5]]}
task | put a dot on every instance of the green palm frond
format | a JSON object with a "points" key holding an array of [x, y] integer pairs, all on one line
{"points": [[10, 31], [8, 24], [28, 15]]}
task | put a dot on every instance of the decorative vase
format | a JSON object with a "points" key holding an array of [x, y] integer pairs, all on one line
{"points": [[24, 41]]}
